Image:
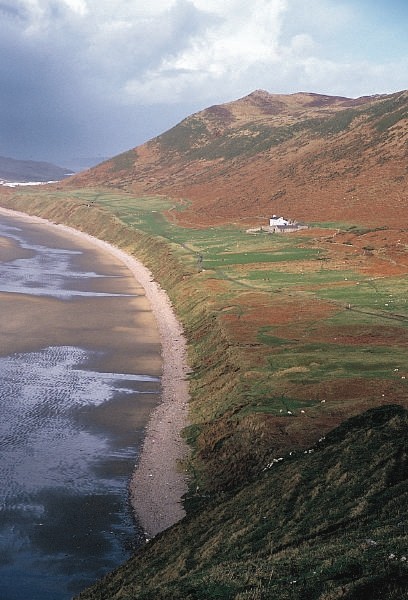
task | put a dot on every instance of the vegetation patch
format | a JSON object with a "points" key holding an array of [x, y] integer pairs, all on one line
{"points": [[123, 161]]}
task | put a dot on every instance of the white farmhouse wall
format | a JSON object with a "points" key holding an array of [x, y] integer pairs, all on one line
{"points": [[277, 221]]}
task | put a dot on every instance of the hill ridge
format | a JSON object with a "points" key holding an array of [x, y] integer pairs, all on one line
{"points": [[15, 170], [310, 156]]}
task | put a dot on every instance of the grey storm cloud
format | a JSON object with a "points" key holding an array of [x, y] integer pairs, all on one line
{"points": [[11, 11], [63, 74]]}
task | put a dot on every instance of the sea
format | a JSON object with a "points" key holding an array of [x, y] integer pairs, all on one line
{"points": [[79, 377]]}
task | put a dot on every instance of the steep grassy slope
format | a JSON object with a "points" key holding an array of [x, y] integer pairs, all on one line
{"points": [[311, 157], [328, 523]]}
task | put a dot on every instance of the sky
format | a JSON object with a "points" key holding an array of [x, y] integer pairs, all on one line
{"points": [[93, 78]]}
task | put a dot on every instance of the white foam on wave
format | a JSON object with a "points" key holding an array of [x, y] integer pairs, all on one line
{"points": [[13, 184]]}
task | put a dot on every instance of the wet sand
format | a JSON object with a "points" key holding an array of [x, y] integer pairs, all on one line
{"points": [[158, 483]]}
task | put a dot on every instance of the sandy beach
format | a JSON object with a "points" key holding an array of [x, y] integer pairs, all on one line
{"points": [[158, 483]]}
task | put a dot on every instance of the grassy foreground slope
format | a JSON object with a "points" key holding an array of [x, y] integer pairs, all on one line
{"points": [[309, 526]]}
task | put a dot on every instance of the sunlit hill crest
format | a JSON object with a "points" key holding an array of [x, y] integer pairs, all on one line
{"points": [[312, 156]]}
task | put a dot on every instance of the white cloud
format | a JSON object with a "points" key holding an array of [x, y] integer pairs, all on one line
{"points": [[301, 45], [77, 6], [167, 51], [240, 36], [279, 45]]}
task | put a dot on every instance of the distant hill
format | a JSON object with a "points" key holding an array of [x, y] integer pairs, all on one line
{"points": [[306, 156], [23, 171]]}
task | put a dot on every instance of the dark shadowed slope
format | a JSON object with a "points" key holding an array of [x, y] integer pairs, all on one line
{"points": [[322, 524]]}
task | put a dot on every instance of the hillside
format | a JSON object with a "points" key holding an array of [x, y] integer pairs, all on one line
{"points": [[308, 156], [23, 171], [327, 523]]}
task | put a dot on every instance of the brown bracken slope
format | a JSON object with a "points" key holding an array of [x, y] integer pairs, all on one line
{"points": [[307, 156]]}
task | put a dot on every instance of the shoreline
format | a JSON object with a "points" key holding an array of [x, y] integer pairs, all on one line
{"points": [[158, 483]]}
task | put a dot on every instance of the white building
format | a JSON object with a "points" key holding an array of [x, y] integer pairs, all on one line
{"points": [[278, 225], [278, 222]]}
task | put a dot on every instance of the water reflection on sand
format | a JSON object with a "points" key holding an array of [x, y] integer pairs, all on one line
{"points": [[44, 271], [70, 429]]}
